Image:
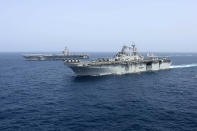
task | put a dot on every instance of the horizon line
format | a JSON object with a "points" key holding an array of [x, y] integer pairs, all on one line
{"points": [[89, 52]]}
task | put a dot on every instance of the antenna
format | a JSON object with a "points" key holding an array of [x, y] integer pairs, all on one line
{"points": [[133, 46]]}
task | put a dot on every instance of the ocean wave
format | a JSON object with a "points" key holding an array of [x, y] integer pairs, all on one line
{"points": [[183, 66]]}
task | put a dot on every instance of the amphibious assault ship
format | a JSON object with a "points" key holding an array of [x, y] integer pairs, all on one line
{"points": [[64, 55], [122, 63]]}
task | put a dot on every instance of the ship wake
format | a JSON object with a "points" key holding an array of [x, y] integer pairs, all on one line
{"points": [[183, 66]]}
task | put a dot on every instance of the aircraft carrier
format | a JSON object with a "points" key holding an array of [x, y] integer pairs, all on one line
{"points": [[122, 63], [62, 56]]}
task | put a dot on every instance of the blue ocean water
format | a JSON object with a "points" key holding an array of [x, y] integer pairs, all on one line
{"points": [[46, 95]]}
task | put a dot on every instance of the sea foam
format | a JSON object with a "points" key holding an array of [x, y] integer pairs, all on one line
{"points": [[183, 66]]}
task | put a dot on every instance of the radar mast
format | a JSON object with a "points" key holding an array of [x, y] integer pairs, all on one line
{"points": [[66, 51]]}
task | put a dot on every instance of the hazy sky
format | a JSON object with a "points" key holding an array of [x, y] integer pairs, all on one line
{"points": [[98, 25]]}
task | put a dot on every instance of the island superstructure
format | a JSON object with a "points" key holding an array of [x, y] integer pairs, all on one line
{"points": [[122, 63], [62, 56]]}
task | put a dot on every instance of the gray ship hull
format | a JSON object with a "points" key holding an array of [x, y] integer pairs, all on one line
{"points": [[96, 70]]}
